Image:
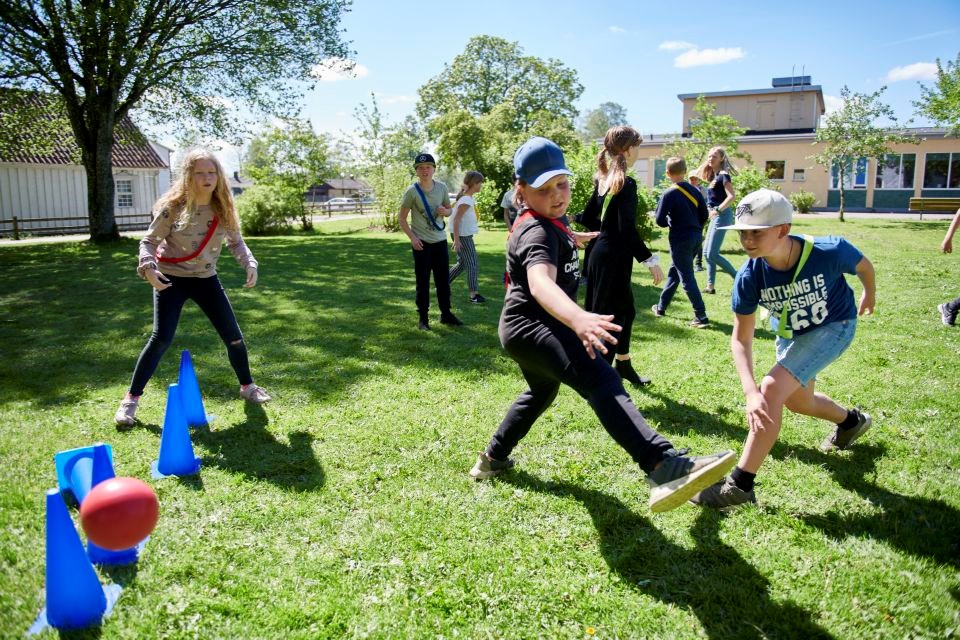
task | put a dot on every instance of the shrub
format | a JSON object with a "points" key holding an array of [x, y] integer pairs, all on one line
{"points": [[389, 188], [803, 201], [488, 201], [749, 179], [266, 210]]}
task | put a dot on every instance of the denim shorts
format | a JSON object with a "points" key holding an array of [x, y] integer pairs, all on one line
{"points": [[808, 354]]}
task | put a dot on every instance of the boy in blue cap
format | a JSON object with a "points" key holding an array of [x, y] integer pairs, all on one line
{"points": [[555, 341]]}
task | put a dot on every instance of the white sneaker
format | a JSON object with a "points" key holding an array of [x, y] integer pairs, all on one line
{"points": [[255, 394], [126, 415]]}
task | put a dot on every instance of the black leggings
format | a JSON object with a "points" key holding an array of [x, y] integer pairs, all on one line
{"points": [[209, 295], [551, 355]]}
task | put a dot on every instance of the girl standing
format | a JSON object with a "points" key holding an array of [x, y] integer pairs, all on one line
{"points": [[555, 341], [716, 172], [178, 257], [464, 223], [612, 210]]}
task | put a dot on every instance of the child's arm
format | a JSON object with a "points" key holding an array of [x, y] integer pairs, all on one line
{"points": [[741, 344], [947, 245], [868, 300], [662, 211], [457, 216], [592, 329], [405, 227], [731, 196]]}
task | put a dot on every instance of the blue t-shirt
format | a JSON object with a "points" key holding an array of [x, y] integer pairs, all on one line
{"points": [[819, 295]]}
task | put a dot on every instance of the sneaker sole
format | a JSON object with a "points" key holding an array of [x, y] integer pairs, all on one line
{"points": [[477, 474], [676, 492]]}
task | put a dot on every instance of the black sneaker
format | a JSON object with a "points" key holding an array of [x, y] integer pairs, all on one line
{"points": [[487, 468], [843, 438], [679, 478], [477, 299], [700, 323], [657, 311], [946, 317], [450, 319], [724, 495]]}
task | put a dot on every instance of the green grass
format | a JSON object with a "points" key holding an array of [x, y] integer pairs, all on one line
{"points": [[343, 508]]}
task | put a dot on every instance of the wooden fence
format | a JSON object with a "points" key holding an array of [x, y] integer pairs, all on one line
{"points": [[16, 227]]}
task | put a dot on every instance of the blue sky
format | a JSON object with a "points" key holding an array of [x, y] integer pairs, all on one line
{"points": [[642, 54]]}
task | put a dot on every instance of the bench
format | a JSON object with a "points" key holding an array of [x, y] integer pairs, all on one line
{"points": [[934, 204]]}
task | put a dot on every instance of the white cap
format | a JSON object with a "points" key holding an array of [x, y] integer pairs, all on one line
{"points": [[762, 209]]}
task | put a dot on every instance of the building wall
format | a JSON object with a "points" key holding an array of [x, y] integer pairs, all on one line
{"points": [[765, 111], [49, 197]]}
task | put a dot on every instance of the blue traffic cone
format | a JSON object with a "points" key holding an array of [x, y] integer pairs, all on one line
{"points": [[176, 451], [75, 598], [190, 393], [78, 470], [102, 469]]}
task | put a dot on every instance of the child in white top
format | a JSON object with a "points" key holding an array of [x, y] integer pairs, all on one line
{"points": [[463, 223]]}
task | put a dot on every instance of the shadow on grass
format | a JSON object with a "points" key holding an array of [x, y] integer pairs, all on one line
{"points": [[921, 527], [727, 594]]}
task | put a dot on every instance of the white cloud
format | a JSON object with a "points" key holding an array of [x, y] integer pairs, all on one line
{"points": [[335, 69], [831, 104], [397, 99], [616, 29], [915, 71], [700, 57], [676, 45]]}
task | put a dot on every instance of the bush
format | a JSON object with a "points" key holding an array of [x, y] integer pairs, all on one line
{"points": [[488, 201], [803, 201], [748, 180], [389, 189], [266, 210]]}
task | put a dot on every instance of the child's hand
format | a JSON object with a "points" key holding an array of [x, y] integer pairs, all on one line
{"points": [[442, 211], [593, 330], [758, 417], [947, 245], [583, 238], [251, 278], [657, 274], [867, 303], [416, 243], [456, 245], [156, 279]]}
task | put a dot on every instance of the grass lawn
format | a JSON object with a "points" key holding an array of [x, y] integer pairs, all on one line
{"points": [[343, 508]]}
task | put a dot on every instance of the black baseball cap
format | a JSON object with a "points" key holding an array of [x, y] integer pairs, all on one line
{"points": [[424, 158]]}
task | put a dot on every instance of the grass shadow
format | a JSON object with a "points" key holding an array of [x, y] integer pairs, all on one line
{"points": [[727, 594]]}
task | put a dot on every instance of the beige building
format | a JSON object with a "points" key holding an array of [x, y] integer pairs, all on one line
{"points": [[781, 123]]}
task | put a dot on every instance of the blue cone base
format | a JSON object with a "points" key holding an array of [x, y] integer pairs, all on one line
{"points": [[110, 591], [156, 475], [106, 557], [66, 460]]}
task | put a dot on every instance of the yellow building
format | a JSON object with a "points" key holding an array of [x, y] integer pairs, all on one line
{"points": [[781, 123]]}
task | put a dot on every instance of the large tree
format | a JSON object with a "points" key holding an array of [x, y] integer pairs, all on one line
{"points": [[854, 131], [595, 122], [196, 61], [707, 130], [941, 103]]}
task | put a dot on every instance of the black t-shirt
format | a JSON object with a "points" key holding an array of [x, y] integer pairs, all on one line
{"points": [[717, 192], [535, 241]]}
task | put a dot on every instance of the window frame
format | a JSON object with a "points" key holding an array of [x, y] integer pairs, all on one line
{"points": [[123, 193], [878, 179], [783, 168], [952, 156], [853, 175]]}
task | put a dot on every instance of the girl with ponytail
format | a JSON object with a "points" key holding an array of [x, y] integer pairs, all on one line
{"points": [[612, 210]]}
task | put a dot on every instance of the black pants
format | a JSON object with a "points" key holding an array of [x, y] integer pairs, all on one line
{"points": [[209, 295], [433, 258], [609, 292], [549, 355]]}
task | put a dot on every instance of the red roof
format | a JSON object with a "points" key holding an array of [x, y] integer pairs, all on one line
{"points": [[131, 149]]}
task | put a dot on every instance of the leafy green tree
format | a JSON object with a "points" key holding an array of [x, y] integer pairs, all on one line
{"points": [[941, 103], [852, 132], [292, 158], [596, 122], [172, 61], [707, 130]]}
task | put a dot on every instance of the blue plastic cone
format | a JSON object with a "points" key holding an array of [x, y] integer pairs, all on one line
{"points": [[190, 393], [176, 451], [75, 598], [102, 465], [78, 471]]}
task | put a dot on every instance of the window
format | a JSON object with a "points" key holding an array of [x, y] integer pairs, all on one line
{"points": [[642, 169], [855, 176], [659, 170], [124, 189], [799, 175], [895, 171], [776, 169], [942, 171]]}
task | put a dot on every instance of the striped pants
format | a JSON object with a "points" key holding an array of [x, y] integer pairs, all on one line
{"points": [[466, 258]]}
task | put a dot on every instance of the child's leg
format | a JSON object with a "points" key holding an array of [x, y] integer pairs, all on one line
{"points": [[778, 385], [712, 245], [440, 265], [670, 286], [525, 410], [468, 255], [456, 269], [683, 263], [167, 305], [421, 270], [212, 300], [809, 402]]}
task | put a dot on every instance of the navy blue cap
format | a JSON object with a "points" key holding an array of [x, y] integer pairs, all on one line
{"points": [[537, 160], [424, 158]]}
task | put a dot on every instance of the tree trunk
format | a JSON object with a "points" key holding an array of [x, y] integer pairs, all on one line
{"points": [[97, 154], [841, 199]]}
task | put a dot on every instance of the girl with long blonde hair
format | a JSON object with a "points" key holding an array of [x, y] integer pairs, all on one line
{"points": [[716, 171], [612, 210], [463, 223], [178, 257]]}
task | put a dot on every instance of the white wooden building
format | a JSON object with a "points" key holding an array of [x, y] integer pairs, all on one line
{"points": [[47, 193]]}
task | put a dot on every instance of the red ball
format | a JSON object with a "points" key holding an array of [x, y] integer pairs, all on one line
{"points": [[118, 513]]}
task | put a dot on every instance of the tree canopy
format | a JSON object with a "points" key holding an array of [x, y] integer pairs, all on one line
{"points": [[707, 130], [853, 131], [596, 122], [941, 102], [198, 61]]}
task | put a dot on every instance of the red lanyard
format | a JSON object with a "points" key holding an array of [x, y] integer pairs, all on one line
{"points": [[206, 239], [530, 213]]}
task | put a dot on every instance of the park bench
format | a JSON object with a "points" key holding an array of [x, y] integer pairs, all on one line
{"points": [[934, 204]]}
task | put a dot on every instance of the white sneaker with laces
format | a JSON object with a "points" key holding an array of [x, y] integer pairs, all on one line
{"points": [[255, 394], [126, 415]]}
